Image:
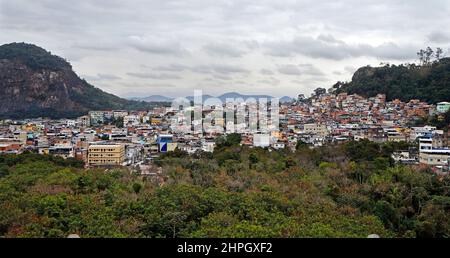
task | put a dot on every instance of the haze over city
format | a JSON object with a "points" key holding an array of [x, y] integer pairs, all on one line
{"points": [[141, 48]]}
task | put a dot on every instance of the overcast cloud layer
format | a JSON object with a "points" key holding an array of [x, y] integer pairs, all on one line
{"points": [[140, 48]]}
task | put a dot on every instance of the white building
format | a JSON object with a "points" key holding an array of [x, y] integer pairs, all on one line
{"points": [[443, 107], [261, 140], [132, 120], [119, 113], [425, 143], [278, 145], [97, 117], [70, 123], [208, 146], [435, 157], [417, 132]]}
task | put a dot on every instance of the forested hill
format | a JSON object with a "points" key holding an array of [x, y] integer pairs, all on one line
{"points": [[35, 83], [348, 190], [430, 82]]}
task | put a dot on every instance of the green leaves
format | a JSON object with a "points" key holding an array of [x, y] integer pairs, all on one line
{"points": [[232, 139], [34, 56], [240, 192], [405, 82]]}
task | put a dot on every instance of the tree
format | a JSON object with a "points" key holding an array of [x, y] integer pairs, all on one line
{"points": [[421, 55], [253, 159], [428, 54], [337, 85], [427, 82], [228, 140], [439, 53], [300, 145], [320, 91], [309, 193], [118, 122], [137, 187]]}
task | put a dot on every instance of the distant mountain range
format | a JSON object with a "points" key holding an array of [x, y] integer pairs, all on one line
{"points": [[223, 97], [153, 98]]}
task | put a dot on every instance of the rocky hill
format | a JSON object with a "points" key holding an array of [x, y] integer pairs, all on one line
{"points": [[35, 83]]}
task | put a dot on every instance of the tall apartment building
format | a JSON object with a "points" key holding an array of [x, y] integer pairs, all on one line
{"points": [[131, 120], [432, 152], [84, 121], [97, 117], [106, 155]]}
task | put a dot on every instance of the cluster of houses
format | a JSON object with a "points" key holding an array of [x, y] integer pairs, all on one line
{"points": [[121, 138]]}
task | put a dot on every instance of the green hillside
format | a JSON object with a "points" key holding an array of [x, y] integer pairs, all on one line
{"points": [[35, 83], [430, 83]]}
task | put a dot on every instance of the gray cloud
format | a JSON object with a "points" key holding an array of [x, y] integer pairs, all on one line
{"points": [[202, 69], [223, 50], [161, 76], [222, 77], [108, 76], [289, 70], [310, 69], [96, 47], [350, 69], [328, 47], [270, 81], [266, 72], [156, 46], [301, 69], [193, 39], [171, 68], [229, 69], [221, 69], [101, 77], [439, 37]]}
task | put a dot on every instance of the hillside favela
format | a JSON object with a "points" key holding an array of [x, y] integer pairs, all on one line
{"points": [[224, 119]]}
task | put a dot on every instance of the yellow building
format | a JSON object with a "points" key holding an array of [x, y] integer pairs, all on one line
{"points": [[106, 155], [155, 120], [276, 134]]}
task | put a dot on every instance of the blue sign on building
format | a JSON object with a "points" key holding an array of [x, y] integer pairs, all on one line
{"points": [[163, 147], [163, 139]]}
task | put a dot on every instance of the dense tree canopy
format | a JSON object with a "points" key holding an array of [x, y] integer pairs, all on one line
{"points": [[429, 82], [33, 56], [349, 190]]}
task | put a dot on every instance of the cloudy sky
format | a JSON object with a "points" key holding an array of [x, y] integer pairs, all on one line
{"points": [[277, 47]]}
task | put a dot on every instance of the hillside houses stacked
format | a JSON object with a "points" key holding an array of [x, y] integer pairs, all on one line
{"points": [[119, 137]]}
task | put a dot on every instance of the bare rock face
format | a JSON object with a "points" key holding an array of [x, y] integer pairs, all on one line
{"points": [[27, 91], [35, 83]]}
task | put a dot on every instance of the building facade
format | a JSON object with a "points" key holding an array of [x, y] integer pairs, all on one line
{"points": [[316, 129], [443, 107], [106, 155], [435, 157]]}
